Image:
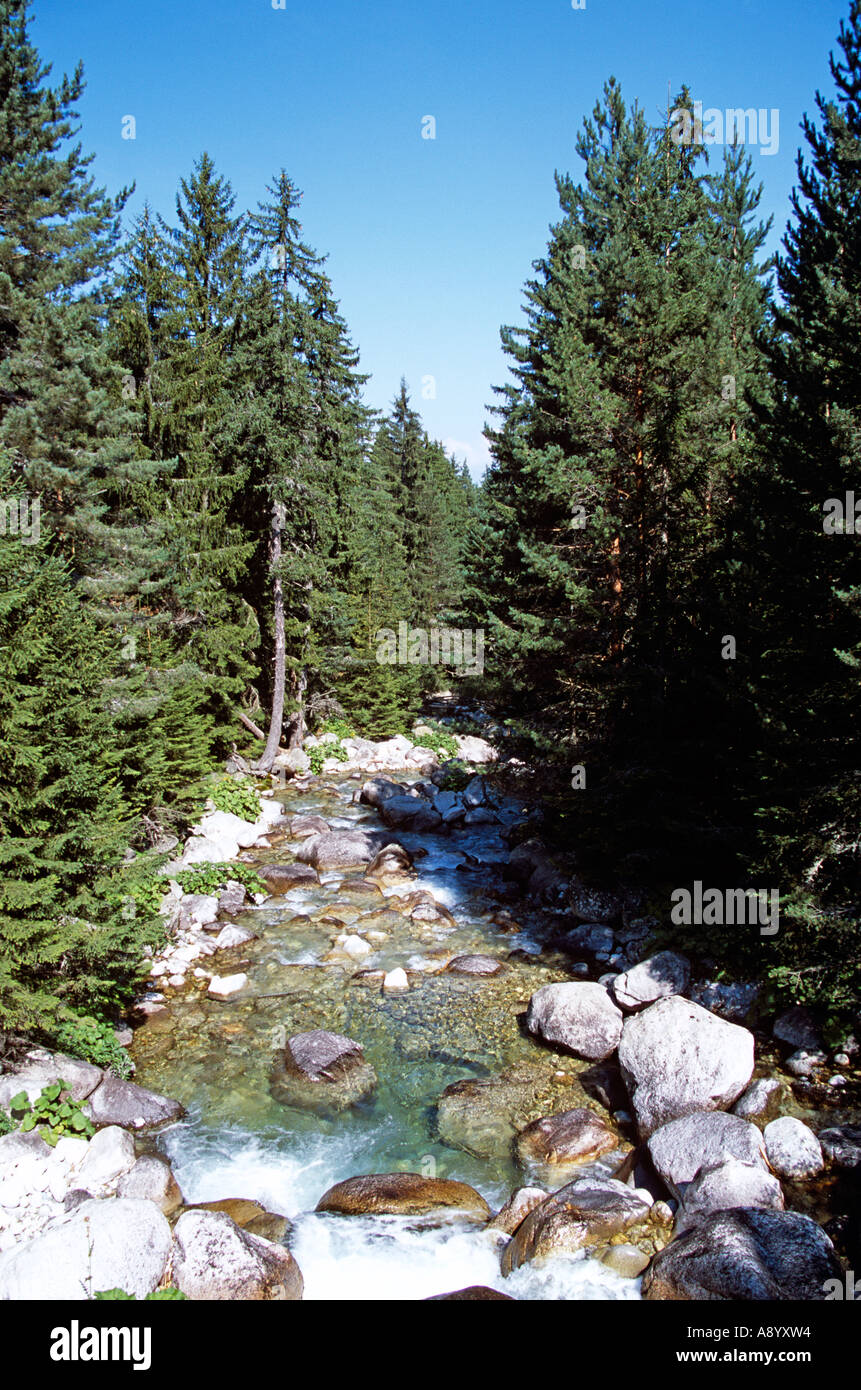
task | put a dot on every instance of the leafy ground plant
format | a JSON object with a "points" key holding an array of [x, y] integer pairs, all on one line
{"points": [[209, 879], [237, 796], [168, 1295], [54, 1113], [93, 1040]]}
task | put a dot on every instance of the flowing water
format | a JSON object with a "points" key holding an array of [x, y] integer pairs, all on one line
{"points": [[238, 1141]]}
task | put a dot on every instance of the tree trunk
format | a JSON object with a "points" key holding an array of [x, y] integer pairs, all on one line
{"points": [[276, 719]]}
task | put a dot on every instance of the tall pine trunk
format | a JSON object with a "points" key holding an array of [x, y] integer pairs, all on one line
{"points": [[276, 719]]}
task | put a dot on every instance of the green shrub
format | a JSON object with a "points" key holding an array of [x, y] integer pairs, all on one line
{"points": [[454, 775], [7, 1124], [237, 796], [440, 741], [340, 727], [167, 1295], [93, 1040], [321, 751], [54, 1114], [209, 879]]}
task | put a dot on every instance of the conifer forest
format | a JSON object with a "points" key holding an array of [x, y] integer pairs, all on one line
{"points": [[383, 835]]}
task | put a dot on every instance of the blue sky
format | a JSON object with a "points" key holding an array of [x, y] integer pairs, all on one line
{"points": [[429, 241]]}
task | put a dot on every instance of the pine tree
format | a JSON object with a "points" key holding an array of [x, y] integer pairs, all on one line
{"points": [[807, 579]]}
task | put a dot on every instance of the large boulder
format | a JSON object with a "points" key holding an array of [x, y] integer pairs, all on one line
{"points": [[680, 1149], [110, 1153], [656, 978], [476, 966], [792, 1148], [409, 813], [280, 878], [842, 1145], [730, 1184], [482, 1117], [798, 1028], [475, 1293], [745, 1254], [116, 1244], [116, 1102], [39, 1069], [403, 1194], [151, 1180], [567, 1140], [761, 1100], [474, 750], [223, 827], [213, 1258], [339, 849], [322, 1072], [677, 1058], [378, 790], [294, 761], [303, 826], [392, 861], [586, 1212], [579, 1017], [522, 1201]]}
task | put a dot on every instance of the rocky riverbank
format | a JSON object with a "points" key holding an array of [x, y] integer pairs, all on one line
{"points": [[427, 1040]]}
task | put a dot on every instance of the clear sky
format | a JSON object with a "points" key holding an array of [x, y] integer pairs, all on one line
{"points": [[429, 241]]}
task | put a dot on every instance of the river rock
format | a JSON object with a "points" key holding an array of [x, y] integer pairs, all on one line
{"points": [[625, 1260], [591, 937], [474, 750], [482, 1117], [110, 1153], [151, 1180], [280, 878], [232, 898], [115, 1244], [735, 1001], [197, 910], [595, 905], [250, 1216], [842, 1145], [574, 1137], [805, 1064], [745, 1254], [339, 849], [223, 827], [728, 1185], [580, 1017], [792, 1149], [302, 826], [409, 813], [475, 1293], [223, 986], [294, 761], [798, 1028], [322, 1072], [584, 1213], [390, 862], [761, 1100], [378, 790], [39, 1068], [475, 965], [521, 1202], [116, 1102], [396, 981], [213, 1258], [403, 1194], [655, 978], [707, 1139], [677, 1058]]}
